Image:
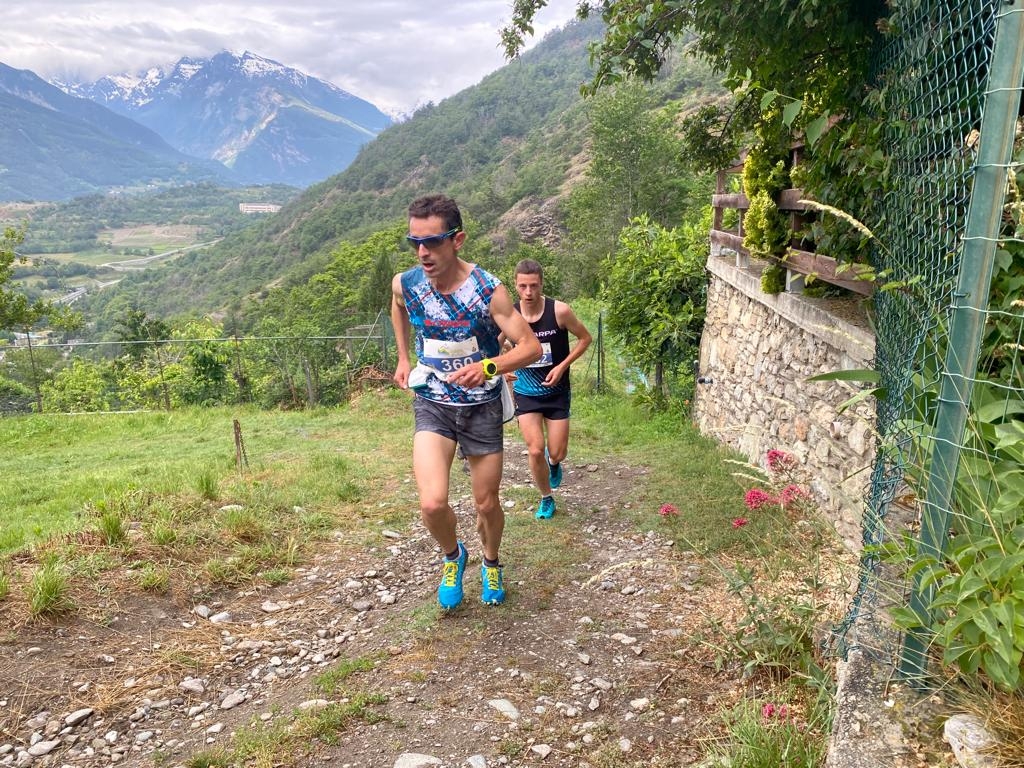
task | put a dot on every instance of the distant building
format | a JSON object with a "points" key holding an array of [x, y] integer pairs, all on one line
{"points": [[23, 339], [258, 207]]}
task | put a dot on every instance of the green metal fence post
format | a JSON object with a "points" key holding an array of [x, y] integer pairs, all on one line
{"points": [[1002, 99]]}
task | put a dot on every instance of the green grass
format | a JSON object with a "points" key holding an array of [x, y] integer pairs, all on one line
{"points": [[767, 735], [330, 681], [290, 740], [112, 527], [48, 591], [686, 469], [153, 578], [54, 466]]}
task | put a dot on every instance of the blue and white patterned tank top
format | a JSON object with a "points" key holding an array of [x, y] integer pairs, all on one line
{"points": [[452, 330]]}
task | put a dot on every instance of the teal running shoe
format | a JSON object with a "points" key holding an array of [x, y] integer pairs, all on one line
{"points": [[449, 593], [546, 508], [492, 588], [554, 472]]}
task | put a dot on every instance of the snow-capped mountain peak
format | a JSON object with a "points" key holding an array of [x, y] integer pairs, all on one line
{"points": [[234, 106]]}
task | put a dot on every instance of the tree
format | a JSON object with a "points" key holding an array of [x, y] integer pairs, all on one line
{"points": [[779, 41], [209, 364], [813, 52], [141, 332], [656, 289], [18, 312], [635, 170], [83, 386]]}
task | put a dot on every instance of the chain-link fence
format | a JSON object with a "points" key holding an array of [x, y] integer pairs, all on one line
{"points": [[949, 329]]}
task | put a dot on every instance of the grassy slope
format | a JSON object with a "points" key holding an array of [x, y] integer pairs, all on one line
{"points": [[57, 467]]}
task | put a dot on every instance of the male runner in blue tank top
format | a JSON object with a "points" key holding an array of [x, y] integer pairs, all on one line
{"points": [[542, 389], [458, 312]]}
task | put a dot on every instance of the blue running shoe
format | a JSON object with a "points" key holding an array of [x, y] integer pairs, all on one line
{"points": [[449, 594], [492, 588], [546, 508], [554, 472]]}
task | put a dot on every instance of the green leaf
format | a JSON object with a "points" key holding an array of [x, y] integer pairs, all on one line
{"points": [[853, 374], [877, 392], [999, 410], [905, 617], [971, 584], [790, 111], [815, 128], [768, 99]]}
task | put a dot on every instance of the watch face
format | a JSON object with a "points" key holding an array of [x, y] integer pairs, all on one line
{"points": [[490, 368]]}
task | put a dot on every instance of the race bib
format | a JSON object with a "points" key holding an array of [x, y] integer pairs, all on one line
{"points": [[447, 356], [545, 358]]}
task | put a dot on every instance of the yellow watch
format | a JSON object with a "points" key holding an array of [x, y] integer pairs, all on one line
{"points": [[490, 368]]}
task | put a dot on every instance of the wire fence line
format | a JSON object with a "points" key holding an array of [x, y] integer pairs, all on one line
{"points": [[290, 371], [132, 374]]}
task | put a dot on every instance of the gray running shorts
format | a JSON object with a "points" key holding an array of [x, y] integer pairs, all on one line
{"points": [[477, 429]]}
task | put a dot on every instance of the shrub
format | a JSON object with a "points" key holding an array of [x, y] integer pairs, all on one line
{"points": [[773, 279]]}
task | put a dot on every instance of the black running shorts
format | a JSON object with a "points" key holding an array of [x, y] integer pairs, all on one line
{"points": [[554, 407]]}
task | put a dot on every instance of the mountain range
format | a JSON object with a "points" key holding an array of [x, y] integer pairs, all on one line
{"points": [[267, 122], [231, 119], [54, 146], [506, 148]]}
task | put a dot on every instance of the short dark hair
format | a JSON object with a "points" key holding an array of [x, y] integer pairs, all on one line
{"points": [[529, 267], [437, 205]]}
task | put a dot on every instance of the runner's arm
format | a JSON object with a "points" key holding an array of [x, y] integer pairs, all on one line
{"points": [[514, 328], [567, 319], [402, 326]]}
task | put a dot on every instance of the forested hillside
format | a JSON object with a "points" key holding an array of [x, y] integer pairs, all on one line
{"points": [[514, 142], [511, 136]]}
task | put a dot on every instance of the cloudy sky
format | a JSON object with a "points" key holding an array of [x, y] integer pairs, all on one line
{"points": [[397, 54]]}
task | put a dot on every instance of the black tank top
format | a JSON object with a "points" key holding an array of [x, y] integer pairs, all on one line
{"points": [[555, 343]]}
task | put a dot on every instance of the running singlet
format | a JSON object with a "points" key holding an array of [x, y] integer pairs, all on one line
{"points": [[453, 330], [554, 342]]}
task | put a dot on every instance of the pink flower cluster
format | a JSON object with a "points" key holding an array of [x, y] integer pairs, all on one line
{"points": [[771, 712], [792, 493], [668, 510], [739, 522], [757, 498], [779, 461]]}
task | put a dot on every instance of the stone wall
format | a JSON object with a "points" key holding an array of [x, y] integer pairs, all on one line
{"points": [[757, 352]]}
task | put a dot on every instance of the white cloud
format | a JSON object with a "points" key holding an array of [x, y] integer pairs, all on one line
{"points": [[398, 54]]}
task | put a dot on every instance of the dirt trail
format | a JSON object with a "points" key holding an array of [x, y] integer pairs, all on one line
{"points": [[589, 662]]}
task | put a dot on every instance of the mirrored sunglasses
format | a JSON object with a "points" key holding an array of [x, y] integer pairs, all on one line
{"points": [[432, 241]]}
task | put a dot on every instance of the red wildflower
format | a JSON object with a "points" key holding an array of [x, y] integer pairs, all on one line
{"points": [[771, 711], [756, 498], [739, 522], [780, 460], [791, 493], [667, 510]]}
